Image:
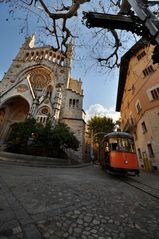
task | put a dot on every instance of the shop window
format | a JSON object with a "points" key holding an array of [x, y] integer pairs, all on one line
{"points": [[150, 150]]}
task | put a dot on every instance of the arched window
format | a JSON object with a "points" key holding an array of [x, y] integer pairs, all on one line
{"points": [[43, 114], [46, 54], [49, 90], [50, 56], [74, 103], [70, 103], [77, 103]]}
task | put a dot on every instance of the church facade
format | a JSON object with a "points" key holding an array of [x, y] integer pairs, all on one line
{"points": [[37, 84]]}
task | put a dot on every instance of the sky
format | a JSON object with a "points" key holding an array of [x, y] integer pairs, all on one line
{"points": [[100, 88]]}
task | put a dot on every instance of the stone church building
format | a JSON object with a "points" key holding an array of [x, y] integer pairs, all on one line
{"points": [[39, 83]]}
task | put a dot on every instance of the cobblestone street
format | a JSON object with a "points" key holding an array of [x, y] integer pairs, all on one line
{"points": [[72, 203]]}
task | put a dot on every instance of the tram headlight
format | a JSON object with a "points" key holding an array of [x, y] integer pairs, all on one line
{"points": [[126, 161]]}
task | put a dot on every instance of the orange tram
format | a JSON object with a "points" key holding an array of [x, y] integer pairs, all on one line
{"points": [[117, 154]]}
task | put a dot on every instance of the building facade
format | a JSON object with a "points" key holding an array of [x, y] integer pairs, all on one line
{"points": [[138, 102], [37, 84]]}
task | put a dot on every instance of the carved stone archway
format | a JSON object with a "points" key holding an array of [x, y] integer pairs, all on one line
{"points": [[13, 110]]}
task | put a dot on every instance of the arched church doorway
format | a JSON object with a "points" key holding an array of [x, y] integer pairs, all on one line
{"points": [[13, 110]]}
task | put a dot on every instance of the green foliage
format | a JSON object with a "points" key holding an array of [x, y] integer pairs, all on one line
{"points": [[20, 134], [100, 125], [30, 137], [64, 138]]}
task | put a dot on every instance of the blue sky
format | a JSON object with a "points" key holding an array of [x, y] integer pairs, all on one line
{"points": [[100, 89]]}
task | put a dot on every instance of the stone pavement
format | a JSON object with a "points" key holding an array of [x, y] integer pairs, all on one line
{"points": [[73, 203]]}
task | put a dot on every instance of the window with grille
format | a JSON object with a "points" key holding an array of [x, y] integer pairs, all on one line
{"points": [[139, 153], [138, 107], [150, 150], [148, 70], [141, 55], [155, 93], [144, 128]]}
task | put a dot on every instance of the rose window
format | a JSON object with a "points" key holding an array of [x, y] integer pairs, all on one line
{"points": [[39, 78]]}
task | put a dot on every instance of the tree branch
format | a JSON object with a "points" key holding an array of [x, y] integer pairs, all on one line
{"points": [[114, 54]]}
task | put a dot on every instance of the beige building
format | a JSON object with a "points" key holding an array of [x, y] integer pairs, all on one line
{"points": [[138, 102], [39, 83]]}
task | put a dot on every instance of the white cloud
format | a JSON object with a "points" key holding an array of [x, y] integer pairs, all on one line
{"points": [[99, 110]]}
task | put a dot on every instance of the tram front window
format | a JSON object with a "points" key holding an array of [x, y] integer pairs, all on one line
{"points": [[122, 144], [113, 144]]}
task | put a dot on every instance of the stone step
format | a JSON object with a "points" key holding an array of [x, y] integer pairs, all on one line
{"points": [[29, 160], [31, 164]]}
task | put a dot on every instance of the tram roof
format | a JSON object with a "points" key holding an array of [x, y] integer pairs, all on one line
{"points": [[118, 134]]}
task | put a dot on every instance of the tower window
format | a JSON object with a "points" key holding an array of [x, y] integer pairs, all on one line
{"points": [[77, 103], [74, 103], [70, 102]]}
